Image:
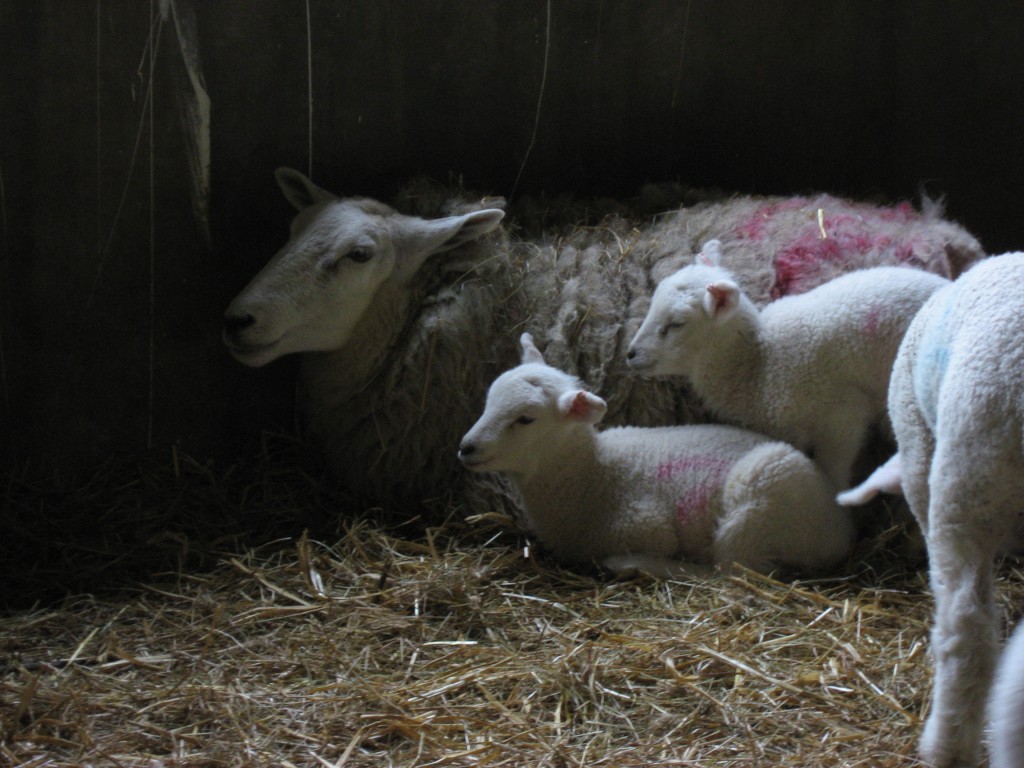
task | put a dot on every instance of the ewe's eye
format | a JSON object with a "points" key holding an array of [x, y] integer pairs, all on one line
{"points": [[668, 328], [331, 262], [524, 419]]}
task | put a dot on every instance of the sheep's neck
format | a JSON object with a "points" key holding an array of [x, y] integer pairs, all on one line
{"points": [[334, 379], [558, 494], [733, 364]]}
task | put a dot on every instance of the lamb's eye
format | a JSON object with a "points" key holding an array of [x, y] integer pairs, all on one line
{"points": [[525, 419], [360, 255], [668, 328]]}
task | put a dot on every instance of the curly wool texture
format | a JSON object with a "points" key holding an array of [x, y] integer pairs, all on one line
{"points": [[389, 407], [957, 407]]}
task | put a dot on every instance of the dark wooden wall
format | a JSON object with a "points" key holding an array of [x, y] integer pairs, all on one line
{"points": [[110, 292]]}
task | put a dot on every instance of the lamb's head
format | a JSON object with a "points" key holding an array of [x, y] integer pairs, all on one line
{"points": [[311, 296], [529, 408], [685, 309]]}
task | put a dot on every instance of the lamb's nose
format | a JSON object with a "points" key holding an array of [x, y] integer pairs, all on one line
{"points": [[236, 323], [630, 354], [466, 449]]}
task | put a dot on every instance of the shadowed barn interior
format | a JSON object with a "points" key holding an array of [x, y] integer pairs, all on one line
{"points": [[119, 255]]}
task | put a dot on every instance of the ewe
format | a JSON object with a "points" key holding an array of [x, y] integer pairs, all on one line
{"points": [[957, 408], [400, 318], [811, 370], [649, 498]]}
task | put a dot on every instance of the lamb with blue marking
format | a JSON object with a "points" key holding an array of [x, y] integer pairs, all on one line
{"points": [[1006, 706], [811, 369], [957, 406], [664, 500]]}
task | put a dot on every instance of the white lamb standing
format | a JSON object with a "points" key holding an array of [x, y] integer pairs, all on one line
{"points": [[812, 370], [402, 313], [657, 499], [1006, 706], [957, 407]]}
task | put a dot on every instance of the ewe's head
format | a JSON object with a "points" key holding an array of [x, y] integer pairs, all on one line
{"points": [[685, 308], [529, 409], [311, 296]]}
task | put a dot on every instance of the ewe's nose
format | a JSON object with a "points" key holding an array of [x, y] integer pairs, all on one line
{"points": [[466, 449], [235, 323], [638, 359]]}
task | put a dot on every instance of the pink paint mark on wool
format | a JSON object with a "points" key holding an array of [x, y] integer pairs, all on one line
{"points": [[872, 321], [902, 213], [692, 508], [908, 250], [692, 465], [849, 237], [753, 227]]}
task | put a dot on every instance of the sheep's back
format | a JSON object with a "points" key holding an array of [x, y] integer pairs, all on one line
{"points": [[968, 356], [846, 331], [667, 486]]}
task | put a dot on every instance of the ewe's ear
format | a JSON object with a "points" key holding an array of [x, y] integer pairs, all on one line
{"points": [[299, 190], [711, 254], [430, 236], [530, 352], [582, 406], [721, 299]]}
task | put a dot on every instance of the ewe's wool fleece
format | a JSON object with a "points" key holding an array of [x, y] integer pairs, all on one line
{"points": [[390, 407]]}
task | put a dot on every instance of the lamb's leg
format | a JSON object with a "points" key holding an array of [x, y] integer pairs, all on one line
{"points": [[972, 514], [917, 447], [964, 642], [1005, 706], [780, 511]]}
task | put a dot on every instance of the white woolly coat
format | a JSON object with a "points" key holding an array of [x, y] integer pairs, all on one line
{"points": [[812, 370], [957, 408], [1006, 707], [701, 494]]}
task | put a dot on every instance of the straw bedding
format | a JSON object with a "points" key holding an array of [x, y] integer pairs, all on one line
{"points": [[363, 644]]}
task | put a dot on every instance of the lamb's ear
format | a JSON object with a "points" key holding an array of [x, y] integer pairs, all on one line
{"points": [[530, 352], [711, 254], [299, 190], [721, 299], [582, 405], [429, 236]]}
